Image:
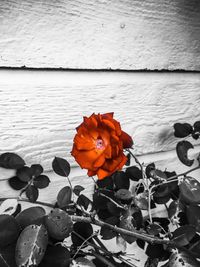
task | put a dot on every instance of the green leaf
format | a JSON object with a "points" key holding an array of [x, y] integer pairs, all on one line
{"points": [[59, 224], [32, 193], [61, 166], [31, 245], [41, 181], [9, 230], [190, 190], [64, 196], [182, 152], [11, 161]]}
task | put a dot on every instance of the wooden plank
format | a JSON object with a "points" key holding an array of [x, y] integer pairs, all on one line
{"points": [[40, 110], [104, 34]]}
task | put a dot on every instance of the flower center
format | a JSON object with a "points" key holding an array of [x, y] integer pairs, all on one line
{"points": [[100, 144]]}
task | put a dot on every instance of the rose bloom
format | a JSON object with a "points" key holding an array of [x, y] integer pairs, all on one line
{"points": [[99, 143]]}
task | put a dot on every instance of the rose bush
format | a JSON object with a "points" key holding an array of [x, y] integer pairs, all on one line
{"points": [[99, 143]]}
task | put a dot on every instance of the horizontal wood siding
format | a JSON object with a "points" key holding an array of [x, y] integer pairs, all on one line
{"points": [[100, 34], [40, 110]]}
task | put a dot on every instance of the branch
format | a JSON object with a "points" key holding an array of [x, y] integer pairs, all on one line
{"points": [[135, 233]]}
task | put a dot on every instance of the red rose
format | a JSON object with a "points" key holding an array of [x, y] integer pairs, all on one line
{"points": [[99, 143]]}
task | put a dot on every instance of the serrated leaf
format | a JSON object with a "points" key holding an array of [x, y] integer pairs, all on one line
{"points": [[59, 224], [16, 183], [182, 152], [182, 129], [41, 181], [11, 161], [9, 230], [182, 258], [61, 166], [32, 193], [30, 216], [190, 190], [8, 206], [77, 189], [31, 246], [24, 174], [183, 235], [64, 196]]}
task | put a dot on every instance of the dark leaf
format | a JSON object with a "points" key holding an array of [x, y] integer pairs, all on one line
{"points": [[158, 175], [9, 230], [182, 258], [30, 216], [16, 183], [197, 126], [106, 232], [183, 235], [128, 223], [106, 183], [141, 201], [190, 190], [164, 222], [83, 201], [154, 229], [128, 162], [41, 181], [156, 251], [32, 193], [139, 188], [78, 189], [64, 197], [121, 180], [193, 216], [173, 209], [161, 191], [150, 168], [59, 224], [99, 200], [61, 166], [11, 161], [182, 129], [81, 232], [182, 152], [114, 209], [195, 136], [24, 174], [134, 173], [36, 170], [56, 256], [31, 245], [124, 196], [161, 200], [7, 256], [140, 243]]}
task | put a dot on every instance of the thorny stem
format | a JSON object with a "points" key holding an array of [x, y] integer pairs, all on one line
{"points": [[111, 200], [145, 182]]}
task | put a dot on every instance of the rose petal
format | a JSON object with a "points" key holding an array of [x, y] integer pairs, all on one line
{"points": [[127, 140]]}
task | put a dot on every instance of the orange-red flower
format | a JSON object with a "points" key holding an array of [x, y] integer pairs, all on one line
{"points": [[99, 143]]}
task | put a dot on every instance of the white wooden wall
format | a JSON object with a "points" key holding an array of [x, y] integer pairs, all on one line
{"points": [[61, 60]]}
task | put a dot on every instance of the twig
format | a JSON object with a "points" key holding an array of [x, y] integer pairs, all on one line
{"points": [[111, 200]]}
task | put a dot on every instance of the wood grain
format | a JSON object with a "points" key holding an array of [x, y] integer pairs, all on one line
{"points": [[41, 109], [103, 34]]}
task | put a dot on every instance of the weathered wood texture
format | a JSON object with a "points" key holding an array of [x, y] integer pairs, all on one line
{"points": [[103, 34], [40, 110]]}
